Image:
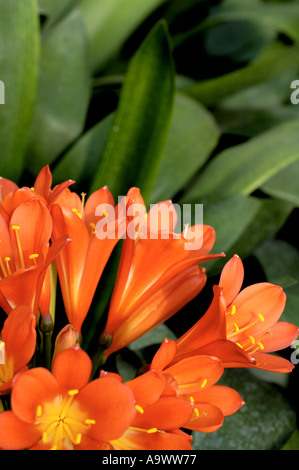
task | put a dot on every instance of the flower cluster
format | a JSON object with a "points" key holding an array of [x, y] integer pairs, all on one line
{"points": [[61, 402]]}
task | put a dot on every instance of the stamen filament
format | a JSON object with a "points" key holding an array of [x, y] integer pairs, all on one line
{"points": [[16, 228]]}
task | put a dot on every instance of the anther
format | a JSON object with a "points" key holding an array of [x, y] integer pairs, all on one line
{"points": [[39, 411], [233, 310], [139, 409], [260, 345], [152, 430], [77, 212], [261, 317], [73, 392], [89, 421], [204, 383], [252, 340], [105, 213], [237, 329], [34, 256]]}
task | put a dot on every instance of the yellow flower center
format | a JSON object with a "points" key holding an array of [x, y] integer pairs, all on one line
{"points": [[62, 422]]}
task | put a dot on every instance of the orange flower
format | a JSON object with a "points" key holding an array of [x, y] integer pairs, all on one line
{"points": [[241, 327], [158, 274], [25, 254], [158, 419], [81, 263], [62, 410], [252, 316], [193, 379], [19, 340]]}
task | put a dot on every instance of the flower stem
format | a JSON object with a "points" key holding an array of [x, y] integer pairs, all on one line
{"points": [[46, 327]]}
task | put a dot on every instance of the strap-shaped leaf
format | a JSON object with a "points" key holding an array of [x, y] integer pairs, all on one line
{"points": [[110, 22], [245, 167], [140, 127], [63, 93], [19, 55]]}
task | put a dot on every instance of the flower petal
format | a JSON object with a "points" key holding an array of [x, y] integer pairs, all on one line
{"points": [[72, 368], [16, 434], [231, 279]]}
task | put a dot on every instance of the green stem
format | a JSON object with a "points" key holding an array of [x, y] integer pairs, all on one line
{"points": [[46, 327]]}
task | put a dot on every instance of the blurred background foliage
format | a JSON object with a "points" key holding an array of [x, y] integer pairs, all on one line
{"points": [[188, 100]]}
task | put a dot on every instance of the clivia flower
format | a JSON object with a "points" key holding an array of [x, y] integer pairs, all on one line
{"points": [[25, 254], [241, 327], [18, 338], [157, 273], [194, 379], [62, 410], [81, 263]]}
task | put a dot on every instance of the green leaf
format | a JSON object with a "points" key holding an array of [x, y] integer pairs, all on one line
{"points": [[55, 9], [109, 24], [270, 217], [230, 218], [192, 137], [140, 127], [245, 167], [80, 161], [19, 56], [64, 91], [284, 184], [293, 442], [276, 59], [265, 422]]}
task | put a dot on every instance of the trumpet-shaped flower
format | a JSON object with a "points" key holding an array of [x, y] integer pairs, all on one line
{"points": [[62, 410], [194, 380], [252, 318], [241, 327], [158, 272], [158, 417], [18, 338], [81, 263], [25, 254]]}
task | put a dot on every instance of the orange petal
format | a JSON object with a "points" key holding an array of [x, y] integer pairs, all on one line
{"points": [[164, 355], [195, 373], [140, 440], [16, 434], [32, 389], [272, 363], [43, 182], [111, 404], [225, 398], [147, 388], [67, 376], [281, 336], [167, 413], [19, 335], [231, 279], [209, 328], [208, 418], [262, 301]]}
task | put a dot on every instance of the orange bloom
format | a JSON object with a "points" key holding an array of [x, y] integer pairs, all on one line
{"points": [[158, 273], [193, 379], [158, 419], [25, 254], [252, 316], [241, 327], [19, 339], [62, 410], [81, 263]]}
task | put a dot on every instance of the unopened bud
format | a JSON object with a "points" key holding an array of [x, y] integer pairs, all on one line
{"points": [[66, 338]]}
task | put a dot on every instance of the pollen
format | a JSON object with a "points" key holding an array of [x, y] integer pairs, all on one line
{"points": [[261, 317], [139, 409], [77, 212], [204, 383]]}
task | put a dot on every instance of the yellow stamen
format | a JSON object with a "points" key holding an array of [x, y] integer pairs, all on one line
{"points": [[139, 409], [3, 267], [152, 430], [105, 213], [204, 383], [83, 195], [39, 411], [240, 346], [16, 228], [252, 339], [77, 212], [73, 392], [89, 421], [237, 329], [34, 256], [233, 310], [261, 317], [260, 345]]}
